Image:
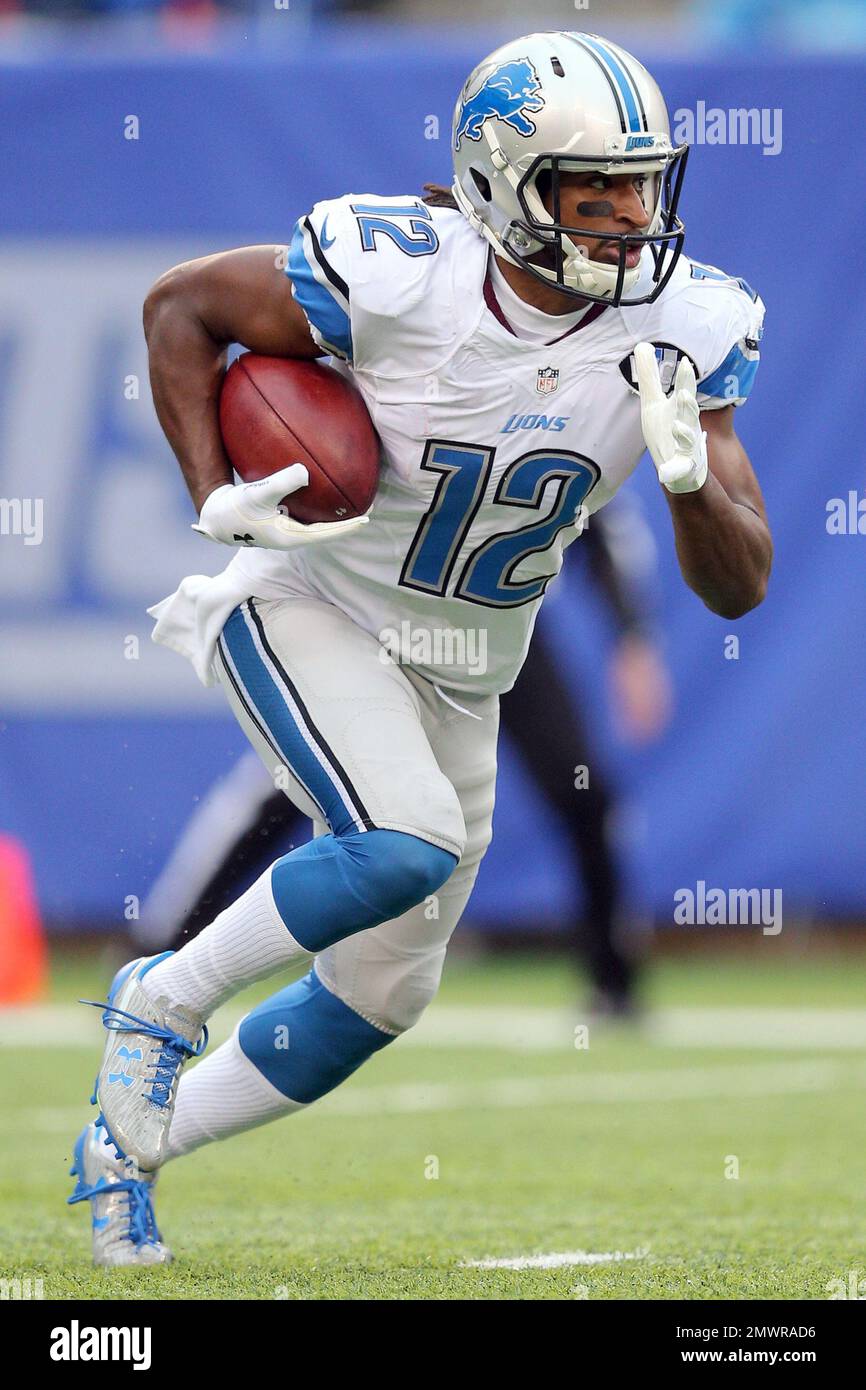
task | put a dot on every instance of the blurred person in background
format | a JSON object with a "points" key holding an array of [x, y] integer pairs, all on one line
{"points": [[243, 822]]}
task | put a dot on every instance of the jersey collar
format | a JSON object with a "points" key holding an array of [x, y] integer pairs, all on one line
{"points": [[594, 312]]}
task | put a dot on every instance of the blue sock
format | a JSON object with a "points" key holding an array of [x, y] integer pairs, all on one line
{"points": [[338, 885]]}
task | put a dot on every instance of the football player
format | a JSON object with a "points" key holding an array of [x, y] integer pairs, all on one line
{"points": [[517, 353]]}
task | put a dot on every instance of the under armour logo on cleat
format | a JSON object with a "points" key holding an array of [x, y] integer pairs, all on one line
{"points": [[244, 540], [123, 1076]]}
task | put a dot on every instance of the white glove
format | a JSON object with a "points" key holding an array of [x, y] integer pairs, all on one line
{"points": [[671, 424], [247, 514]]}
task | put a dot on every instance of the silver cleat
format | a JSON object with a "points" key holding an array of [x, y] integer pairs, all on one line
{"points": [[148, 1043], [124, 1226]]}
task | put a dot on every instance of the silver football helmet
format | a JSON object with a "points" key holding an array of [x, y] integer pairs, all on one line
{"points": [[556, 103]]}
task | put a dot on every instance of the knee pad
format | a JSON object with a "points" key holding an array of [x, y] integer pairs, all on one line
{"points": [[305, 1041], [338, 885], [392, 871]]}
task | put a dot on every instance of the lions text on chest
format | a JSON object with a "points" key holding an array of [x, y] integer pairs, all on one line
{"points": [[556, 423]]}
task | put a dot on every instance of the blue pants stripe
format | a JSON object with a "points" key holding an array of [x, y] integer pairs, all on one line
{"points": [[280, 714]]}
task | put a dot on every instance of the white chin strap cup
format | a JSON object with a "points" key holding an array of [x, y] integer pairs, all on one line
{"points": [[580, 273]]}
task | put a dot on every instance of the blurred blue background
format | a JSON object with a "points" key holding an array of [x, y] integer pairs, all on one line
{"points": [[243, 120]]}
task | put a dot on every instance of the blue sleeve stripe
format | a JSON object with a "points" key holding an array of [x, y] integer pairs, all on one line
{"points": [[324, 264], [737, 365], [318, 302]]}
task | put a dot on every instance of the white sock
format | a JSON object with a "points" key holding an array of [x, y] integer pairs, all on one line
{"points": [[246, 942], [223, 1095]]}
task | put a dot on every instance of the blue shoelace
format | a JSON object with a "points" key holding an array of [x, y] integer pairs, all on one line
{"points": [[172, 1053], [142, 1229]]}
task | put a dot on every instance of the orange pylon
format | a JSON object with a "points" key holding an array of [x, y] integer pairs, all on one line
{"points": [[23, 955]]}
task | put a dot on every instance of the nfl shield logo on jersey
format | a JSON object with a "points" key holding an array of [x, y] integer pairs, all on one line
{"points": [[547, 380]]}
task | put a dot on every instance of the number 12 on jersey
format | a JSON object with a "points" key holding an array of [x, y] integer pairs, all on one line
{"points": [[464, 471]]}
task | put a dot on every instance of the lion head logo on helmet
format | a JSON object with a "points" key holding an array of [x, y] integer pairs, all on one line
{"points": [[510, 91]]}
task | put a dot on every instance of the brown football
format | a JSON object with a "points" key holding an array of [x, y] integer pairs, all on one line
{"points": [[275, 411]]}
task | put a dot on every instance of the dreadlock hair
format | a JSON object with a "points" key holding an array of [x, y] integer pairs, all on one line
{"points": [[438, 196]]}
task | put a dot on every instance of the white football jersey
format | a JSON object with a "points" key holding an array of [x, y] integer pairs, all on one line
{"points": [[490, 443]]}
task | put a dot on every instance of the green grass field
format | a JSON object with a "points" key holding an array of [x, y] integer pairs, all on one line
{"points": [[542, 1148]]}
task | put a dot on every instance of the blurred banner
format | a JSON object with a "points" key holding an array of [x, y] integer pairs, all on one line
{"points": [[112, 171]]}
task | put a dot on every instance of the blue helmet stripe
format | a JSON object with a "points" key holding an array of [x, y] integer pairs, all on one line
{"points": [[621, 77]]}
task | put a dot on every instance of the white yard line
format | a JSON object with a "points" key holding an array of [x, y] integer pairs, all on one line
{"points": [[608, 1088], [520, 1029], [647, 1087], [787, 1029], [557, 1260], [550, 1030]]}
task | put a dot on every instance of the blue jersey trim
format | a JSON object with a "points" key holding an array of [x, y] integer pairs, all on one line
{"points": [[736, 365], [319, 305]]}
